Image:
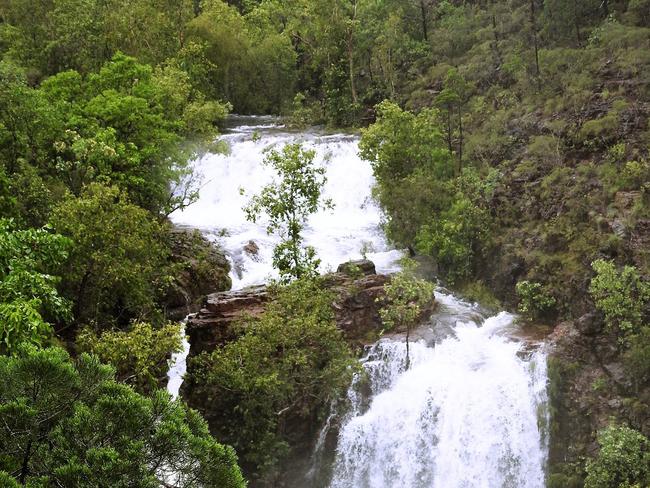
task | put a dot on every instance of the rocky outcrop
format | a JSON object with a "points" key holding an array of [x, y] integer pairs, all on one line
{"points": [[357, 288], [588, 388], [201, 268]]}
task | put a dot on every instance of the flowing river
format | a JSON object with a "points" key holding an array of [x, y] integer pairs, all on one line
{"points": [[471, 411]]}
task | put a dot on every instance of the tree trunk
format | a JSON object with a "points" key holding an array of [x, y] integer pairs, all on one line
{"points": [[425, 27], [24, 469], [535, 42], [460, 138], [576, 22], [495, 33], [350, 50]]}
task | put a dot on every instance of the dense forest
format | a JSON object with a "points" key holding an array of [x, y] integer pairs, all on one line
{"points": [[510, 144]]}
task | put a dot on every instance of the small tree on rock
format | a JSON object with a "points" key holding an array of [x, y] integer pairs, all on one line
{"points": [[407, 298], [288, 203]]}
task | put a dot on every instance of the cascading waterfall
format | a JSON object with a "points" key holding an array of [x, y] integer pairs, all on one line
{"points": [[351, 229], [471, 410]]}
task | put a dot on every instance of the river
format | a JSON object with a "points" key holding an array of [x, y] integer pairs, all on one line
{"points": [[471, 411]]}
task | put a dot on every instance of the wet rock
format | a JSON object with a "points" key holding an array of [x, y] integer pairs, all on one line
{"points": [[357, 268], [356, 309], [213, 325], [590, 324], [202, 268], [252, 249]]}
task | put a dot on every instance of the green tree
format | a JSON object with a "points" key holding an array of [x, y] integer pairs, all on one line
{"points": [[411, 164], [65, 423], [118, 263], [288, 203], [139, 355], [406, 300], [290, 363], [623, 460], [29, 300], [621, 295], [133, 126]]}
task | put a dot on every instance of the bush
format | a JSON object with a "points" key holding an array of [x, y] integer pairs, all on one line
{"points": [[139, 354], [534, 301], [455, 238], [620, 295], [288, 364], [623, 460]]}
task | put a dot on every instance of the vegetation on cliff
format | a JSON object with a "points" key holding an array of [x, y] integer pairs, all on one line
{"points": [[286, 367]]}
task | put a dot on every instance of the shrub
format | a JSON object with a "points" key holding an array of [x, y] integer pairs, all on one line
{"points": [[620, 295], [534, 300], [139, 354], [623, 460]]}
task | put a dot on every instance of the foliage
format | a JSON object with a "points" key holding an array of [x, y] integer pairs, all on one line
{"points": [[118, 263], [637, 358], [139, 355], [29, 300], [406, 299], [620, 295], [454, 237], [411, 164], [534, 301], [66, 423], [288, 203], [623, 460], [289, 363]]}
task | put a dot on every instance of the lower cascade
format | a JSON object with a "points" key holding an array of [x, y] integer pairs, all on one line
{"points": [[470, 412]]}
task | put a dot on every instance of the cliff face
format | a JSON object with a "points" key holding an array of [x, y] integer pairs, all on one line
{"points": [[589, 388], [201, 268]]}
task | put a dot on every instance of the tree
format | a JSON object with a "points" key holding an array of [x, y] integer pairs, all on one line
{"points": [[68, 423], [623, 460], [454, 96], [412, 167], [139, 355], [407, 298], [288, 203], [29, 300], [118, 262], [286, 367], [133, 126]]}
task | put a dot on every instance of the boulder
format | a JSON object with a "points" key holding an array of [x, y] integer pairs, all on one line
{"points": [[252, 249], [357, 268], [202, 268]]}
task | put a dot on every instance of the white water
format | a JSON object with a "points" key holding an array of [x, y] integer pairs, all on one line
{"points": [[469, 413], [338, 235]]}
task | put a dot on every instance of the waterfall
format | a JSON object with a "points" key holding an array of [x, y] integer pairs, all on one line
{"points": [[469, 413], [471, 410], [349, 231]]}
